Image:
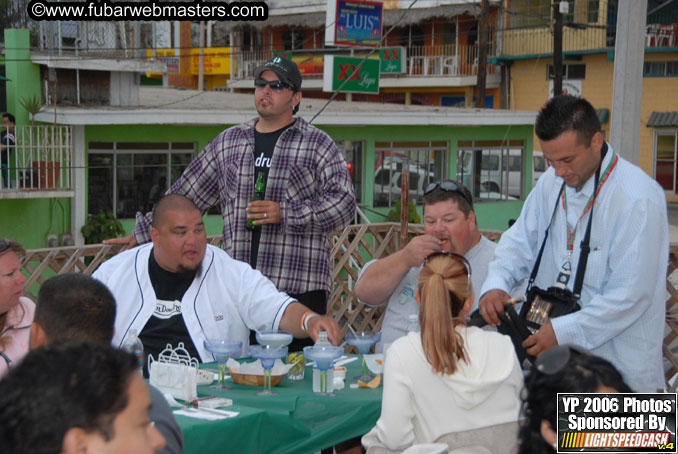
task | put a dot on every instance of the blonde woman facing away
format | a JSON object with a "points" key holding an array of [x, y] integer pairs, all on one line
{"points": [[16, 311], [450, 383]]}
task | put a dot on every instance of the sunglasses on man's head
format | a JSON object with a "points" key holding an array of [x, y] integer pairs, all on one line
{"points": [[4, 245], [275, 85], [449, 186]]}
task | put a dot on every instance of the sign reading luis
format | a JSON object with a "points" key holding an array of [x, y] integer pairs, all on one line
{"points": [[353, 23], [340, 69]]}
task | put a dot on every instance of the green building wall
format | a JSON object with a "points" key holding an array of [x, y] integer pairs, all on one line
{"points": [[29, 221], [490, 215]]}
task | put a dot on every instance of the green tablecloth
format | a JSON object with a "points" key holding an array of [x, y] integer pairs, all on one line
{"points": [[295, 421]]}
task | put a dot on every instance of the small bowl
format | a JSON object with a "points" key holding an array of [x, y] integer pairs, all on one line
{"points": [[254, 380]]}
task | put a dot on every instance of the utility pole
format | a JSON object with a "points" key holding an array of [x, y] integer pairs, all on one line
{"points": [[482, 53], [557, 49], [629, 54], [201, 57]]}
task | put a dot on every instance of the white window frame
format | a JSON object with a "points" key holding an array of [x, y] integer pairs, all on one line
{"points": [[501, 177], [115, 151], [416, 155], [666, 132]]}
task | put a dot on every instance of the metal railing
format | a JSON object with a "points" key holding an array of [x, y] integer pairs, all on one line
{"points": [[422, 61], [41, 159], [658, 35], [539, 40], [248, 61], [445, 60], [122, 40]]}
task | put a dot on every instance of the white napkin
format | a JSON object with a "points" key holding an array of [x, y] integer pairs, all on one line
{"points": [[373, 365], [210, 414], [171, 401], [344, 360], [255, 368], [339, 361]]}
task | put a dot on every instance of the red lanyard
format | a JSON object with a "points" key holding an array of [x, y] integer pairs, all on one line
{"points": [[606, 174]]}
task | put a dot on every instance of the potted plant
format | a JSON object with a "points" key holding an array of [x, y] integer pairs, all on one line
{"points": [[46, 172], [101, 226], [412, 216]]}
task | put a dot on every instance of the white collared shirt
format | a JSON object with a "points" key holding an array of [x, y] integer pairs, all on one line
{"points": [[624, 291]]}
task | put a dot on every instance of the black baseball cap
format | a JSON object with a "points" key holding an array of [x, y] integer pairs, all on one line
{"points": [[286, 70]]}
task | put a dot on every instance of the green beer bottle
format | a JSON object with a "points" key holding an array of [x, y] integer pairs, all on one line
{"points": [[259, 187]]}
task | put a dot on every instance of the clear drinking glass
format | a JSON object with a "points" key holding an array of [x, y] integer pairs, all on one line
{"points": [[267, 355], [323, 357], [363, 340], [222, 350]]}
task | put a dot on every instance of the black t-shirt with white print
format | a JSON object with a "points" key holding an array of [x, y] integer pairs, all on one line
{"points": [[166, 325], [264, 145]]}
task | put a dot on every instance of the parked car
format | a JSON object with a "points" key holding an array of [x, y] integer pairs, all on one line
{"points": [[514, 173], [388, 184], [501, 174]]}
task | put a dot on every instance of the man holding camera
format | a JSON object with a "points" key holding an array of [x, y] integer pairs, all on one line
{"points": [[624, 283]]}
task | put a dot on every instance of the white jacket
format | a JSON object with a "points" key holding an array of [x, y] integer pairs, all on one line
{"points": [[419, 406], [226, 299]]}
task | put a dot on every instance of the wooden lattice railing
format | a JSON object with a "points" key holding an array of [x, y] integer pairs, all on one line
{"points": [[671, 338], [351, 249]]}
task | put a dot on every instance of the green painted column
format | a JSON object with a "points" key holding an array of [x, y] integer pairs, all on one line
{"points": [[24, 76]]}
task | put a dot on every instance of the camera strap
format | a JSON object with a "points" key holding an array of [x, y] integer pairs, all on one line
{"points": [[535, 268], [585, 248]]}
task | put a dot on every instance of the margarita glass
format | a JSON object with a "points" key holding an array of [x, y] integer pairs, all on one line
{"points": [[323, 357], [274, 338], [363, 340], [222, 350], [267, 354]]}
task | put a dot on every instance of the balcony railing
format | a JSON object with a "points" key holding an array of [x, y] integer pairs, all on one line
{"points": [[657, 35], [121, 40], [248, 61], [539, 40], [422, 61], [445, 60], [41, 160]]}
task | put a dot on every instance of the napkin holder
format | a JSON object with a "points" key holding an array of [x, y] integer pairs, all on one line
{"points": [[174, 372]]}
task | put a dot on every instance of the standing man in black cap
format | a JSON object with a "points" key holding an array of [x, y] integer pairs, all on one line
{"points": [[308, 190]]}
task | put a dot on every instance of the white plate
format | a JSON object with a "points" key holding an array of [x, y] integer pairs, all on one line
{"points": [[373, 365]]}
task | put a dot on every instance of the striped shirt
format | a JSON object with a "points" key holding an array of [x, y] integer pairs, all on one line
{"points": [[308, 178]]}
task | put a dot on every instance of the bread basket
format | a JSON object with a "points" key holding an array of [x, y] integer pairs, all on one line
{"points": [[254, 380]]}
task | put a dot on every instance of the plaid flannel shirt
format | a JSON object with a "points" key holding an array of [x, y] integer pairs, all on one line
{"points": [[308, 178]]}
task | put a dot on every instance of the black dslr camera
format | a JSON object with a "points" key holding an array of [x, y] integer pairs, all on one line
{"points": [[539, 307]]}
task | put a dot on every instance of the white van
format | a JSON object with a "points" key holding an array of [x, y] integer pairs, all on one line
{"points": [[514, 180], [498, 184], [388, 183]]}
